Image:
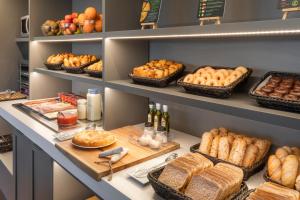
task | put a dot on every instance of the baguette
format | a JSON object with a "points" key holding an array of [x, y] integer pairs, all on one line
{"points": [[290, 171], [224, 148], [237, 152], [215, 146], [250, 155], [263, 146], [206, 142]]}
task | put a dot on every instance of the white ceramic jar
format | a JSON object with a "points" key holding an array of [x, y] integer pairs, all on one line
{"points": [[94, 105], [82, 109]]}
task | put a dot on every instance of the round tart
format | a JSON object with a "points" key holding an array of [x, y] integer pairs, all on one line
{"points": [[93, 139]]}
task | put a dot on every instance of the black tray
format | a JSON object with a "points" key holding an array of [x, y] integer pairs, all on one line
{"points": [[163, 82], [53, 66], [80, 69], [167, 192], [92, 73], [247, 194], [248, 172], [212, 91], [5, 143], [276, 103]]}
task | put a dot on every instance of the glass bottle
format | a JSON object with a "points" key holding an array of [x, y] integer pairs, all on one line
{"points": [[157, 117], [151, 114], [165, 119]]}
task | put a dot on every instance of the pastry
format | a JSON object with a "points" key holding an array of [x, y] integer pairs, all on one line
{"points": [[263, 147], [215, 146], [93, 138], [237, 152], [296, 151], [224, 148], [290, 171], [281, 153], [297, 184], [274, 168], [250, 155], [206, 142]]}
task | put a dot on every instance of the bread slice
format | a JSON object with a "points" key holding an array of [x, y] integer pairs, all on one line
{"points": [[206, 163], [200, 188]]}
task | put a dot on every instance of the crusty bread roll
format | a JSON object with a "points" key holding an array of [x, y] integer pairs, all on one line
{"points": [[281, 153], [215, 146], [215, 132], [248, 140], [296, 151], [223, 131], [224, 148], [230, 139], [206, 142], [274, 168], [288, 149], [250, 155], [297, 184], [237, 152], [290, 171], [263, 146]]}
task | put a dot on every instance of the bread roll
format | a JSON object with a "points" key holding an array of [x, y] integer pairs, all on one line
{"points": [[237, 152], [248, 140], [230, 139], [215, 132], [223, 131], [224, 148], [290, 171], [281, 153], [206, 142], [288, 149], [250, 155], [297, 184], [263, 146], [274, 168], [296, 151], [215, 146]]}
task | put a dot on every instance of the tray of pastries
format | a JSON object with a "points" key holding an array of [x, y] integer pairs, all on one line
{"points": [[55, 61], [222, 145], [272, 191], [77, 64], [157, 73], [214, 81], [95, 70], [278, 90], [283, 167], [6, 143], [194, 177]]}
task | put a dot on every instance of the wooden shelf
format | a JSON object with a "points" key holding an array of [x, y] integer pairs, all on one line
{"points": [[237, 29], [71, 38], [73, 77], [240, 104]]}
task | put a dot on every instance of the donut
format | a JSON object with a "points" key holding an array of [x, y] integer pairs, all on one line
{"points": [[260, 92], [207, 76], [210, 70], [267, 89], [219, 76], [229, 80], [200, 71], [297, 82], [236, 74], [242, 69], [281, 90], [272, 84], [297, 87], [275, 95], [286, 85], [211, 82], [290, 97], [295, 92], [198, 80], [189, 78], [224, 71], [287, 80]]}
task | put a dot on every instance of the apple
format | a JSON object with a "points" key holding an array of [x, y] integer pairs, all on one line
{"points": [[68, 18], [75, 21], [73, 28], [74, 15]]}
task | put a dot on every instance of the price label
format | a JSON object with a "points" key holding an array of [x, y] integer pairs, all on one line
{"points": [[150, 11], [283, 4], [211, 8]]}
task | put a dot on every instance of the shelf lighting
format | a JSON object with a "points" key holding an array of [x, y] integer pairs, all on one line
{"points": [[70, 40], [212, 35]]}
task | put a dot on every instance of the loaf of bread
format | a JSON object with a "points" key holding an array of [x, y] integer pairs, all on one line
{"points": [[238, 149], [290, 171], [272, 191]]}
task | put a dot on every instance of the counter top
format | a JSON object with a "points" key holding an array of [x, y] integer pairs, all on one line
{"points": [[122, 186]]}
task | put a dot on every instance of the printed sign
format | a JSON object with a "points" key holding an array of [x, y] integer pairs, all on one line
{"points": [[150, 11], [289, 4], [211, 8]]}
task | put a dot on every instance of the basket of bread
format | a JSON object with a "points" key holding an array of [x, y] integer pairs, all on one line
{"points": [[222, 145], [77, 64], [272, 191], [157, 73], [283, 167], [214, 81], [55, 61], [278, 90], [95, 70], [193, 177]]}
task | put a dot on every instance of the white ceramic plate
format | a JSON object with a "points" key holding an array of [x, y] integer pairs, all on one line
{"points": [[82, 147]]}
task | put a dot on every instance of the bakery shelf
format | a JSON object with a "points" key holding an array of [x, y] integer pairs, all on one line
{"points": [[7, 161], [22, 39], [73, 77], [238, 29], [240, 104], [71, 38]]}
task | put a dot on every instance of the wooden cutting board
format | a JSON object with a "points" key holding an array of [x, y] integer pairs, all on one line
{"points": [[137, 153]]}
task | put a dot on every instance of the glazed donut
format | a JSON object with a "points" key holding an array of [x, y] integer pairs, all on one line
{"points": [[229, 80], [210, 70], [275, 79], [242, 69], [207, 76], [290, 97], [200, 71], [189, 78], [281, 90], [198, 80], [236, 74], [224, 71], [272, 84], [219, 76], [267, 89], [211, 82]]}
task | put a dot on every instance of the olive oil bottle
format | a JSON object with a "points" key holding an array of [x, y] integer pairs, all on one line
{"points": [[151, 114], [165, 119], [157, 117]]}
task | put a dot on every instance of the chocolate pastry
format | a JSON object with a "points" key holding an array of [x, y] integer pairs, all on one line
{"points": [[287, 80], [272, 84], [275, 79], [267, 89], [262, 93], [275, 95], [281, 90], [295, 92], [296, 87], [290, 97], [286, 85]]}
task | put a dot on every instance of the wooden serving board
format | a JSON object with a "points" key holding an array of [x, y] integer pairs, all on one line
{"points": [[15, 96], [137, 153]]}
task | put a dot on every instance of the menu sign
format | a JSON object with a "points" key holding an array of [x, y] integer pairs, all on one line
{"points": [[211, 8], [150, 11], [283, 4]]}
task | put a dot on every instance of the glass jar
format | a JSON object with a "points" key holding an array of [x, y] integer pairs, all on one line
{"points": [[67, 118], [149, 130], [94, 105], [161, 135], [82, 109]]}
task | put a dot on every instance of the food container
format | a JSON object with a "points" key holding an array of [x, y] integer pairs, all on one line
{"points": [[214, 91], [167, 192], [67, 118], [94, 105], [82, 109]]}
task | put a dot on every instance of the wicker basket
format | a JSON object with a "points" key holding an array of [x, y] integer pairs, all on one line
{"points": [[276, 103], [247, 194], [54, 66], [5, 143], [167, 192], [248, 172], [163, 82], [268, 179], [212, 91], [92, 73], [80, 69]]}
